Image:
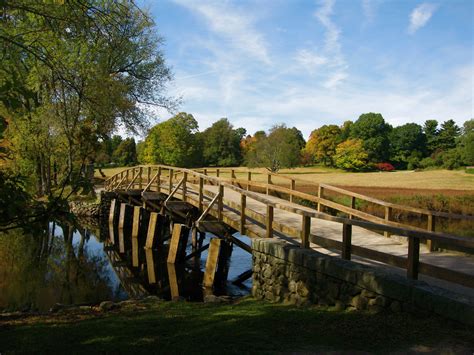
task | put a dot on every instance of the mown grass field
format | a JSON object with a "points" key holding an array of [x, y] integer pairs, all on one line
{"points": [[247, 326], [426, 180]]}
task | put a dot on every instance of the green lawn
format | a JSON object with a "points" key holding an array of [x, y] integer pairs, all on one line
{"points": [[248, 326]]}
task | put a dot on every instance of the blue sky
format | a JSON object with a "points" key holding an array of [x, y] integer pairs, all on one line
{"points": [[309, 63]]}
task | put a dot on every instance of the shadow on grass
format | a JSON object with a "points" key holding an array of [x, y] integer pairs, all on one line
{"points": [[248, 327]]}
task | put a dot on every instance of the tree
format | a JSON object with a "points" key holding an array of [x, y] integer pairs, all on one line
{"points": [[174, 142], [351, 155], [322, 143], [466, 143], [430, 129], [58, 61], [372, 129], [448, 134], [281, 148], [126, 152], [407, 142], [221, 144]]}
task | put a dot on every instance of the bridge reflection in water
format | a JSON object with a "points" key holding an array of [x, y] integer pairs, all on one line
{"points": [[145, 271]]}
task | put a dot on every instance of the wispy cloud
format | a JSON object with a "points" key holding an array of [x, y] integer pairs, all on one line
{"points": [[310, 60], [420, 16], [233, 25], [332, 46]]}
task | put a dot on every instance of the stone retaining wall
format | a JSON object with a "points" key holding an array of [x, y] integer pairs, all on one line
{"points": [[285, 273]]}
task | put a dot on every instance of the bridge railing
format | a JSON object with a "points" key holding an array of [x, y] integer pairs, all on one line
{"points": [[190, 186], [292, 194]]}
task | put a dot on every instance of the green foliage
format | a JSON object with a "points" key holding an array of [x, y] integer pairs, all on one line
{"points": [[448, 134], [351, 155], [322, 144], [174, 142], [281, 148], [372, 129], [466, 143], [430, 129], [407, 144], [221, 144], [13, 198], [126, 153]]}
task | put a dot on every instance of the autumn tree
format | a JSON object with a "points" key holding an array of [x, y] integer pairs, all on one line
{"points": [[322, 144], [372, 129], [351, 155]]}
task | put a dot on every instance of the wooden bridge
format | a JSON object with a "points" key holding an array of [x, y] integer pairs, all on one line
{"points": [[225, 201]]}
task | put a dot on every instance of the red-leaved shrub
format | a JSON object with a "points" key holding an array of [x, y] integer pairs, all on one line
{"points": [[384, 167]]}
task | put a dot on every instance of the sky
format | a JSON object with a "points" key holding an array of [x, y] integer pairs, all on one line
{"points": [[309, 63]]}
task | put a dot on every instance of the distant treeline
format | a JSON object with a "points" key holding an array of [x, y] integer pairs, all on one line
{"points": [[369, 143]]}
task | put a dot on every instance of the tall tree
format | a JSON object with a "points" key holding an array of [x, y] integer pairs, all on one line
{"points": [[372, 129], [221, 144], [408, 142], [174, 142], [281, 148], [351, 155], [322, 144], [126, 152], [448, 134], [430, 129]]}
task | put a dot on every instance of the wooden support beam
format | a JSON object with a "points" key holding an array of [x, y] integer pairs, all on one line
{"points": [[243, 206], [111, 233], [122, 216], [140, 178], [148, 175], [150, 266], [249, 178], [152, 229], [269, 182], [211, 262], [121, 241], [217, 172], [184, 187], [269, 222], [158, 180], [135, 252], [353, 206], [413, 258], [177, 247], [170, 183], [201, 194], [346, 241], [196, 252], [242, 277], [305, 231], [136, 221], [173, 280], [113, 204]]}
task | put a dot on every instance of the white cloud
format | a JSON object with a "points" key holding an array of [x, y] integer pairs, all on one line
{"points": [[337, 67], [420, 16], [310, 60], [235, 26]]}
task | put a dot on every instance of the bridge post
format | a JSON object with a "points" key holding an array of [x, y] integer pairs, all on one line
{"points": [[431, 228], [292, 188], [305, 231], [353, 206], [269, 221], [220, 205], [243, 205], [136, 221], [170, 187], [158, 180], [201, 195], [346, 241], [320, 195], [388, 216], [184, 189], [150, 266], [269, 181], [413, 258], [148, 175], [179, 239], [217, 172], [249, 178], [140, 178]]}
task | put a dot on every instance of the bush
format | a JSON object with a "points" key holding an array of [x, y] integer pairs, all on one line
{"points": [[384, 167]]}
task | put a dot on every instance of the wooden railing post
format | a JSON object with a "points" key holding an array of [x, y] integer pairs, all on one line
{"points": [[320, 195], [201, 196], [148, 174], [292, 188], [305, 231], [158, 180], [171, 180], [413, 257], [353, 206], [249, 178], [204, 171], [388, 216], [243, 206], [269, 182], [126, 177], [220, 205], [185, 179], [269, 221], [430, 228], [346, 241], [217, 172], [140, 178]]}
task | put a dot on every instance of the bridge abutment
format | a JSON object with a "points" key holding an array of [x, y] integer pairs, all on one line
{"points": [[289, 274]]}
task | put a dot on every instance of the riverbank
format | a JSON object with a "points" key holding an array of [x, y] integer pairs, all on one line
{"points": [[246, 326]]}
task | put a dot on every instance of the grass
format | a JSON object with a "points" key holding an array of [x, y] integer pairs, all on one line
{"points": [[426, 180], [247, 326]]}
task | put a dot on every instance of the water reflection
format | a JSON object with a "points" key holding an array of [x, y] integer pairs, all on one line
{"points": [[69, 264]]}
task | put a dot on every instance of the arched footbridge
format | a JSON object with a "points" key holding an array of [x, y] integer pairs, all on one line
{"points": [[267, 205]]}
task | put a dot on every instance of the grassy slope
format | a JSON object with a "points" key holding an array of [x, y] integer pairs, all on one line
{"points": [[248, 326], [430, 179]]}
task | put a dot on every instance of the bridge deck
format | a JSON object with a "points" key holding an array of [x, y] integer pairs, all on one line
{"points": [[365, 238]]}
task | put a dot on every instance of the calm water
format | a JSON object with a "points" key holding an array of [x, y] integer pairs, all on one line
{"points": [[62, 263]]}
